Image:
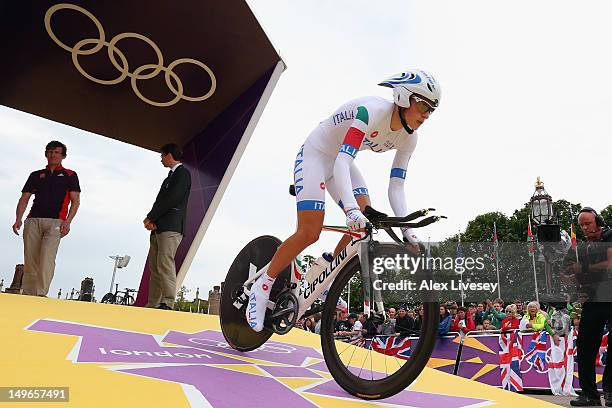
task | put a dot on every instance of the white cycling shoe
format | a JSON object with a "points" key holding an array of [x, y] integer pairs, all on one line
{"points": [[258, 302]]}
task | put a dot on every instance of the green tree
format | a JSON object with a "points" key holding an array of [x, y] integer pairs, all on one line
{"points": [[606, 213], [181, 303]]}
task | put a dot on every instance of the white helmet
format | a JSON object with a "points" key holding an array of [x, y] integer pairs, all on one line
{"points": [[413, 81]]}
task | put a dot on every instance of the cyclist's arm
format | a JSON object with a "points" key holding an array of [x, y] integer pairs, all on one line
{"points": [[347, 153], [397, 197]]}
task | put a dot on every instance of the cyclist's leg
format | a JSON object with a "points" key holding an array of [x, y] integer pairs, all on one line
{"points": [[311, 168], [310, 223], [360, 191]]}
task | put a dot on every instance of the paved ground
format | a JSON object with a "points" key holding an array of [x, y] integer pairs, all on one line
{"points": [[553, 399]]}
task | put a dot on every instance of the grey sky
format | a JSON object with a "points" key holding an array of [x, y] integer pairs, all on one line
{"points": [[526, 93]]}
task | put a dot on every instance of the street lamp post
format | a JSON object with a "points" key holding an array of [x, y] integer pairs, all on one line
{"points": [[120, 262], [548, 229]]}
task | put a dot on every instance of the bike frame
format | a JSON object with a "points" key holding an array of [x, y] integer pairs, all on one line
{"points": [[307, 296]]}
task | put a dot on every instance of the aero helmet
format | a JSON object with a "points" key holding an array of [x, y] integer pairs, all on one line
{"points": [[413, 81]]}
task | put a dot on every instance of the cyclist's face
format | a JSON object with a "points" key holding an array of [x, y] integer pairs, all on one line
{"points": [[417, 113]]}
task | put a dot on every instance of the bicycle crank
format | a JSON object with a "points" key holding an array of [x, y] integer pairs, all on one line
{"points": [[284, 315]]}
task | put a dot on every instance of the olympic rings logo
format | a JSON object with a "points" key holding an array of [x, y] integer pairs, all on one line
{"points": [[119, 61]]}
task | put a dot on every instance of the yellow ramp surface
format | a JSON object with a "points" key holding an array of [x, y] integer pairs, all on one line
{"points": [[108, 355]]}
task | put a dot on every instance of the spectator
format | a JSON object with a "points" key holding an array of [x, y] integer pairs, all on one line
{"points": [[309, 325], [418, 321], [388, 327], [342, 323], [494, 313], [54, 189], [371, 326], [404, 325], [479, 315], [575, 320], [452, 309], [463, 322], [520, 307], [167, 222], [534, 319], [472, 309], [358, 328], [410, 313], [512, 320], [445, 322], [486, 325]]}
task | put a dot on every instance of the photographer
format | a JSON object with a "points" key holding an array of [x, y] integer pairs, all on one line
{"points": [[591, 273]]}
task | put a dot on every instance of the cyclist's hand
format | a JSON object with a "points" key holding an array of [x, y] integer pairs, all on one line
{"points": [[355, 220], [412, 241], [410, 237]]}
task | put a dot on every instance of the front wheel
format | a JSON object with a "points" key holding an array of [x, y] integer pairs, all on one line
{"points": [[108, 298], [399, 361]]}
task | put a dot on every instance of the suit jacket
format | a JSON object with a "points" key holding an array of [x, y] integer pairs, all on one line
{"points": [[169, 212]]}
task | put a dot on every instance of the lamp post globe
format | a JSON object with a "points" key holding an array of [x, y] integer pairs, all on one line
{"points": [[541, 205]]}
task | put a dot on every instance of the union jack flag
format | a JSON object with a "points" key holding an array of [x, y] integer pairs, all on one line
{"points": [[536, 351], [398, 346], [601, 358], [510, 354]]}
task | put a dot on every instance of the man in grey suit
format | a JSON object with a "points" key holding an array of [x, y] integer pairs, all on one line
{"points": [[166, 221]]}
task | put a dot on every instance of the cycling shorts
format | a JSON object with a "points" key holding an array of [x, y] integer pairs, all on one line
{"points": [[313, 174]]}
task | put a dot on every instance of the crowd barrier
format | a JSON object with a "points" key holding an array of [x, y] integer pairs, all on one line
{"points": [[484, 355], [478, 356]]}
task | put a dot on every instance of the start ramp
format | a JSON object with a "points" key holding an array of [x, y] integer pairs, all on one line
{"points": [[107, 355]]}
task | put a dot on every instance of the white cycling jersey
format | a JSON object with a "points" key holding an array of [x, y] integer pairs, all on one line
{"points": [[326, 158]]}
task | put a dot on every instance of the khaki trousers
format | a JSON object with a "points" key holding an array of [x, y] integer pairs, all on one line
{"points": [[162, 281], [41, 239]]}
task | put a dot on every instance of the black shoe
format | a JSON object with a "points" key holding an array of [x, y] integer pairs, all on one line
{"points": [[164, 306], [608, 398], [584, 401]]}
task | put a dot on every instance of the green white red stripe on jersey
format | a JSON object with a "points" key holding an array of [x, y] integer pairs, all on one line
{"points": [[356, 133]]}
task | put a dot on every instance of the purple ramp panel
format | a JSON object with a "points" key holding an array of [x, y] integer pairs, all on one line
{"points": [[227, 388], [210, 340], [103, 345]]}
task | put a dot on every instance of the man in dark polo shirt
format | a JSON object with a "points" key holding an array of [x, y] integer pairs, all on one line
{"points": [[166, 221], [56, 193]]}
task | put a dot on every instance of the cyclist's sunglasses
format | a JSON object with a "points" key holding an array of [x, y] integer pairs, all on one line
{"points": [[423, 105]]}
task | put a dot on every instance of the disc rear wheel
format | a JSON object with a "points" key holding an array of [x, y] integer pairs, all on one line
{"points": [[254, 256]]}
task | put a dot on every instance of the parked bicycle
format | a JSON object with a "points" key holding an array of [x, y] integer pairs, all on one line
{"points": [[294, 292], [120, 297]]}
